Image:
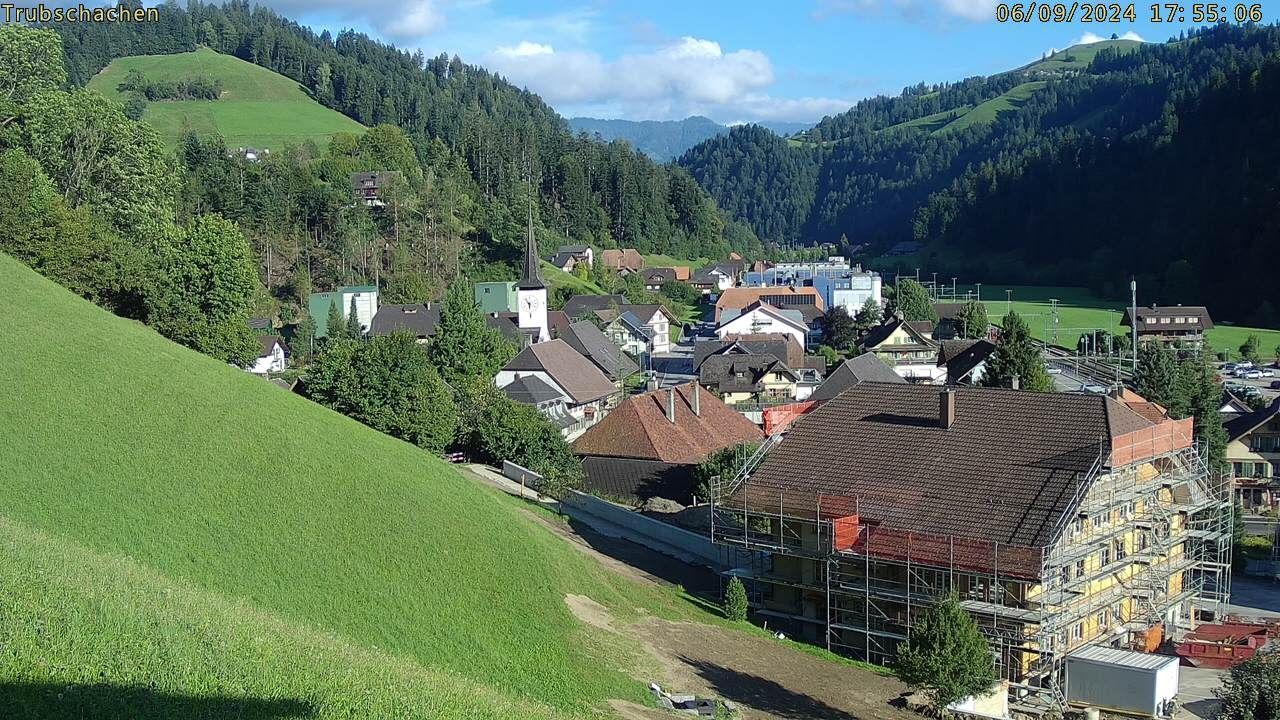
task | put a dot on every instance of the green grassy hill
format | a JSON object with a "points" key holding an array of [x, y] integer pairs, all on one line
{"points": [[1078, 57], [258, 108], [178, 535]]}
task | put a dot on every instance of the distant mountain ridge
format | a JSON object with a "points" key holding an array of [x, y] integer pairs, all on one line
{"points": [[665, 140]]}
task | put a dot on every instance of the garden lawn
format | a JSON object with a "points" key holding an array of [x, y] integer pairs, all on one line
{"points": [[283, 537]]}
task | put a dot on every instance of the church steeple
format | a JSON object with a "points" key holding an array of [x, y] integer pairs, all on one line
{"points": [[530, 279], [531, 294]]}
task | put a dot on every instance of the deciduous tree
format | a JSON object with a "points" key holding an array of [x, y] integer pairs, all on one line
{"points": [[971, 321], [946, 656], [912, 301], [838, 329], [1251, 690]]}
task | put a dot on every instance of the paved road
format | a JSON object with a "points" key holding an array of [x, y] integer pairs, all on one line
{"points": [[1251, 597]]}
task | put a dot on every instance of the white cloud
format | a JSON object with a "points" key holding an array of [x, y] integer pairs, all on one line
{"points": [[421, 17], [690, 75], [524, 49]]}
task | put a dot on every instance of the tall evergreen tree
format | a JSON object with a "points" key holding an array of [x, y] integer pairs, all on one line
{"points": [[1156, 377], [353, 328], [336, 327], [464, 345], [1016, 355]]}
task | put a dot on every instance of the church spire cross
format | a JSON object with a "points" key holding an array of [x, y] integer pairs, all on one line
{"points": [[531, 279]]}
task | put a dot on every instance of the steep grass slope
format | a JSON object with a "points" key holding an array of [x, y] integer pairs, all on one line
{"points": [[258, 108], [131, 455]]}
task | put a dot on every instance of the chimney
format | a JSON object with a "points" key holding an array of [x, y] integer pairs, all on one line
{"points": [[947, 408], [696, 405], [671, 404], [1017, 382]]}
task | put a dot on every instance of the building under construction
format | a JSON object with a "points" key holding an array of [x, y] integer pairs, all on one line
{"points": [[1059, 520]]}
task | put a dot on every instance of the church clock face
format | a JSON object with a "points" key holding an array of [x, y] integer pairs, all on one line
{"points": [[531, 303]]}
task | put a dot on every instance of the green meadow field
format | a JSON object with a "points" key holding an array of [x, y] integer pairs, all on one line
{"points": [[1080, 311], [181, 539], [258, 108]]}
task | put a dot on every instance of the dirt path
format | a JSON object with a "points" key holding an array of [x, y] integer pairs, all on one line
{"points": [[768, 680]]}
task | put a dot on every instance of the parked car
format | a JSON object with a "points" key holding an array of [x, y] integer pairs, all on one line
{"points": [[1252, 374], [1275, 385], [1227, 368], [1053, 370], [1267, 373]]}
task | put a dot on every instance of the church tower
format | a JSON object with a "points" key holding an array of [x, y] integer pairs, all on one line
{"points": [[531, 293]]}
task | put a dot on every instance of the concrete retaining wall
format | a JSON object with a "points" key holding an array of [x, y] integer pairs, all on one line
{"points": [[617, 521]]}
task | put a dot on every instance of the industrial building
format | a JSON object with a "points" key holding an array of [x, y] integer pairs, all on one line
{"points": [[1061, 521]]}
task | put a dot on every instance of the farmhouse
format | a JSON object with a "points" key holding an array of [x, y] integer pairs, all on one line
{"points": [[651, 443], [1170, 324], [369, 188], [907, 348], [626, 260], [1060, 520], [594, 345]]}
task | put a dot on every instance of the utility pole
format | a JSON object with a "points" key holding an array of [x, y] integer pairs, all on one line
{"points": [[979, 291], [1133, 319], [953, 289], [1008, 301]]}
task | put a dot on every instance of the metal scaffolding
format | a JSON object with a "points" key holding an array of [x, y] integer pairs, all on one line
{"points": [[1148, 545]]}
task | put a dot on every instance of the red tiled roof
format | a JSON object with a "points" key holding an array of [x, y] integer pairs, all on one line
{"points": [[638, 428], [783, 297]]}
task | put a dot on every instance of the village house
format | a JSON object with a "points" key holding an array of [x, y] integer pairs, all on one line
{"points": [[656, 320], [906, 347], [863, 368], [655, 278], [593, 344], [631, 334], [964, 360], [588, 393], [546, 399], [1253, 455], [569, 257], [271, 356], [626, 260], [711, 280], [363, 297], [1060, 520], [1170, 324], [420, 319], [805, 299], [759, 318], [650, 445], [780, 346], [370, 188], [749, 381]]}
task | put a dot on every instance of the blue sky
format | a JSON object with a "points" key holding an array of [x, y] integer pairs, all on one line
{"points": [[740, 61]]}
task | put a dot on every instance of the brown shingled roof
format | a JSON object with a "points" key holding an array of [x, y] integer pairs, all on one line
{"points": [[580, 378], [1005, 471], [638, 428]]}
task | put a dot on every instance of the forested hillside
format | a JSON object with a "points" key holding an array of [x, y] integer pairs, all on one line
{"points": [[902, 168], [477, 147]]}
